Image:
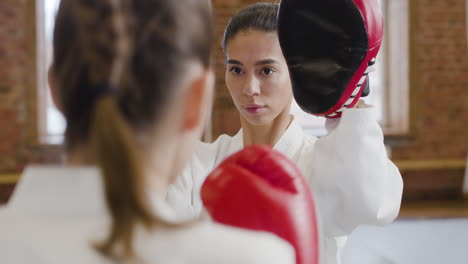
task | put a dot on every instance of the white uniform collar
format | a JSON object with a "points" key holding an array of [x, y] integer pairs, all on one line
{"points": [[238, 140], [291, 140], [288, 144]]}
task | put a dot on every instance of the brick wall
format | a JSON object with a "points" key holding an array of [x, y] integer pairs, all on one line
{"points": [[17, 89], [440, 115], [14, 80], [440, 98]]}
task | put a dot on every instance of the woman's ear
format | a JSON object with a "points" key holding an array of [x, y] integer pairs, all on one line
{"points": [[198, 100], [53, 89]]}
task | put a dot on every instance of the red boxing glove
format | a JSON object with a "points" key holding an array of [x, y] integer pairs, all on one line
{"points": [[260, 189]]}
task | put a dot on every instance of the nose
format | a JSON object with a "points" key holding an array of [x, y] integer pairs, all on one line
{"points": [[251, 86]]}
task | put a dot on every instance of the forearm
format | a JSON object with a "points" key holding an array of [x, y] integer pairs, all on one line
{"points": [[360, 183]]}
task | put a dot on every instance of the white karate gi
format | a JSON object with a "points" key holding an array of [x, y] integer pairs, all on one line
{"points": [[352, 179]]}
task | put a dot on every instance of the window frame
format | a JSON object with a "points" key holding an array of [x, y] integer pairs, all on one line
{"points": [[43, 98], [41, 73], [397, 76]]}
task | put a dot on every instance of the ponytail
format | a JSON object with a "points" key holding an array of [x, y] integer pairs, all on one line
{"points": [[120, 163]]}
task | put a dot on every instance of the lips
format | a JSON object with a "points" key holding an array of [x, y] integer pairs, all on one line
{"points": [[254, 108]]}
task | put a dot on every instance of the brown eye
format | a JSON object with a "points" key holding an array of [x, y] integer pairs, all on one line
{"points": [[235, 70], [267, 71]]}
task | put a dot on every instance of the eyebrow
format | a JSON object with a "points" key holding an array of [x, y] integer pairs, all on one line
{"points": [[262, 62]]}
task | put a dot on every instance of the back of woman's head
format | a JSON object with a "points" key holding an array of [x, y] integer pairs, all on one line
{"points": [[260, 16], [116, 63]]}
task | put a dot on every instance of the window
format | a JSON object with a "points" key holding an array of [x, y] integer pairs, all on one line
{"points": [[51, 123], [389, 82]]}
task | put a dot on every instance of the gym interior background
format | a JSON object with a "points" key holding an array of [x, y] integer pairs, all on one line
{"points": [[430, 147]]}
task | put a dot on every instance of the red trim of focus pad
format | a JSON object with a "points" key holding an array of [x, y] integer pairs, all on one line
{"points": [[373, 21]]}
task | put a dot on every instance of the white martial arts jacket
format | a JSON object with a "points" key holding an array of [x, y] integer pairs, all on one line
{"points": [[56, 214], [352, 179]]}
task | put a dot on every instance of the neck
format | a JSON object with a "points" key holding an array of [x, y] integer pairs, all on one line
{"points": [[267, 134], [160, 164], [159, 175]]}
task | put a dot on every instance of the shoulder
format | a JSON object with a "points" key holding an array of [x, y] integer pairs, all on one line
{"points": [[8, 222], [14, 242], [235, 245], [32, 238], [210, 243]]}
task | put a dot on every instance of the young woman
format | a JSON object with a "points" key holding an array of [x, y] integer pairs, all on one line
{"points": [[353, 181], [133, 79]]}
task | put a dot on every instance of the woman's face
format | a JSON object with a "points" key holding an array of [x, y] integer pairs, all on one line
{"points": [[257, 76]]}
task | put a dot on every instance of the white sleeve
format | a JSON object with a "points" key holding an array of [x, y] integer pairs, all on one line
{"points": [[358, 183]]}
